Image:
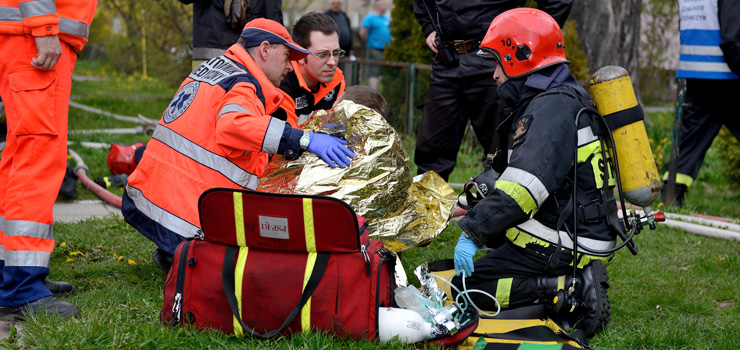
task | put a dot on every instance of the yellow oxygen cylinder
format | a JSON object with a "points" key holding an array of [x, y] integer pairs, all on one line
{"points": [[611, 89]]}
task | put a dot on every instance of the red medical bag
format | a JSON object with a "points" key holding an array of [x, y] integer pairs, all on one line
{"points": [[277, 264]]}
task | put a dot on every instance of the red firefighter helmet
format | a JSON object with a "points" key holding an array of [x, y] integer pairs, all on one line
{"points": [[524, 40], [122, 158]]}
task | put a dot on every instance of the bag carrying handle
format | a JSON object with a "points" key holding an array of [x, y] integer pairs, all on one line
{"points": [[322, 261]]}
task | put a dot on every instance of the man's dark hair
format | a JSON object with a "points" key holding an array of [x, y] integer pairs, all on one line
{"points": [[313, 22], [366, 96]]}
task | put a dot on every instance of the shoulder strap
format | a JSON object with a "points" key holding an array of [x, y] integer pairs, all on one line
{"points": [[227, 272]]}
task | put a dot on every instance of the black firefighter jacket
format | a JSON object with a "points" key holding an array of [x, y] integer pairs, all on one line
{"points": [[537, 180], [470, 19]]}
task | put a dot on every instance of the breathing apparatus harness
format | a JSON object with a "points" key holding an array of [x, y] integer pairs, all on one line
{"points": [[480, 186], [602, 128]]}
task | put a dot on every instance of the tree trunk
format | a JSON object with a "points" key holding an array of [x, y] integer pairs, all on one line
{"points": [[610, 33]]}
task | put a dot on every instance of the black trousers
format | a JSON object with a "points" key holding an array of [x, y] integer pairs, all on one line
{"points": [[450, 103], [510, 273], [708, 104]]}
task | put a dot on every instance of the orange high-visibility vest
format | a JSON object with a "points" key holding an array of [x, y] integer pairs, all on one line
{"points": [[216, 132]]}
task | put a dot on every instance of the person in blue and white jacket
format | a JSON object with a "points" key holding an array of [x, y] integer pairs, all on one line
{"points": [[709, 60]]}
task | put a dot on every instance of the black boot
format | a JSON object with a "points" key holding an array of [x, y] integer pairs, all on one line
{"points": [[49, 305], [591, 292], [162, 259], [59, 288], [679, 192], [587, 308], [557, 298]]}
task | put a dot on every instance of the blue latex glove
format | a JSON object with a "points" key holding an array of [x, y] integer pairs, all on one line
{"points": [[464, 252], [331, 149]]}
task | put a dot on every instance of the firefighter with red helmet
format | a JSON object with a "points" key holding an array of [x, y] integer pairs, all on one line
{"points": [[552, 158]]}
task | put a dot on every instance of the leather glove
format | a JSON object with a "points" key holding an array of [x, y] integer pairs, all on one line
{"points": [[464, 251], [236, 12], [331, 149]]}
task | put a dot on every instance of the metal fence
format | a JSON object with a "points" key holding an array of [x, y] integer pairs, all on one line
{"points": [[404, 86]]}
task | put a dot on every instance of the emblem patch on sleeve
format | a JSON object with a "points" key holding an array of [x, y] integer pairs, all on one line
{"points": [[522, 127], [180, 103]]}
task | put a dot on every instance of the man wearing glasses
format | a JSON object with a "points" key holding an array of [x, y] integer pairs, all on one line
{"points": [[315, 82]]}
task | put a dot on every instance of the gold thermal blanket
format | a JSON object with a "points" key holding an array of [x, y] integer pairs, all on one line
{"points": [[378, 185]]}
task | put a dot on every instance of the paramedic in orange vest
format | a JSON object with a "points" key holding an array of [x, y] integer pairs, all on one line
{"points": [[39, 41], [220, 128], [315, 82]]}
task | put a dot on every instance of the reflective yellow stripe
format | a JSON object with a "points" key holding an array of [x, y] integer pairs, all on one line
{"points": [[503, 291], [521, 239], [682, 179], [308, 225], [519, 194], [597, 163], [306, 310], [561, 282], [241, 261], [587, 150], [239, 219]]}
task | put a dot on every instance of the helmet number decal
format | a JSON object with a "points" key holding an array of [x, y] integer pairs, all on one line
{"points": [[506, 42]]}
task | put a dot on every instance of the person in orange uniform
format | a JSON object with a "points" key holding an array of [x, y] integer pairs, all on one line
{"points": [[315, 82], [39, 41], [225, 120]]}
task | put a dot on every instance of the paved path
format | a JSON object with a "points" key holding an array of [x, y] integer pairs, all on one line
{"points": [[72, 212]]}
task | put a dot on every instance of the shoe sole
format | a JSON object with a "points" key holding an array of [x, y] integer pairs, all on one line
{"points": [[601, 278], [10, 315]]}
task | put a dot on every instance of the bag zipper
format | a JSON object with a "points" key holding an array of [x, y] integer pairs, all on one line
{"points": [[180, 285]]}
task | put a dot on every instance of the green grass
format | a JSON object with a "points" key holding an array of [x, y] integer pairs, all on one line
{"points": [[679, 292]]}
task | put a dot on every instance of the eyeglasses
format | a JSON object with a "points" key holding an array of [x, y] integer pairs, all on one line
{"points": [[324, 55]]}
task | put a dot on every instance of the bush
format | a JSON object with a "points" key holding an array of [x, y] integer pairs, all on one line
{"points": [[729, 148]]}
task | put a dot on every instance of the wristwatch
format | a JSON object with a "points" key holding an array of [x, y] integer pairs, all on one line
{"points": [[305, 140]]}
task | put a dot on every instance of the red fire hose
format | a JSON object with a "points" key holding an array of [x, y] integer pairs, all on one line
{"points": [[81, 170]]}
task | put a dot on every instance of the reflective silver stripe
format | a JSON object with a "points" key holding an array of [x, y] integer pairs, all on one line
{"points": [[161, 216], [701, 50], [528, 181], [720, 67], [2, 223], [73, 27], [2, 252], [24, 258], [302, 119], [29, 229], [231, 108], [537, 229], [205, 157], [273, 135], [508, 156], [37, 8], [10, 14], [586, 136], [206, 53]]}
